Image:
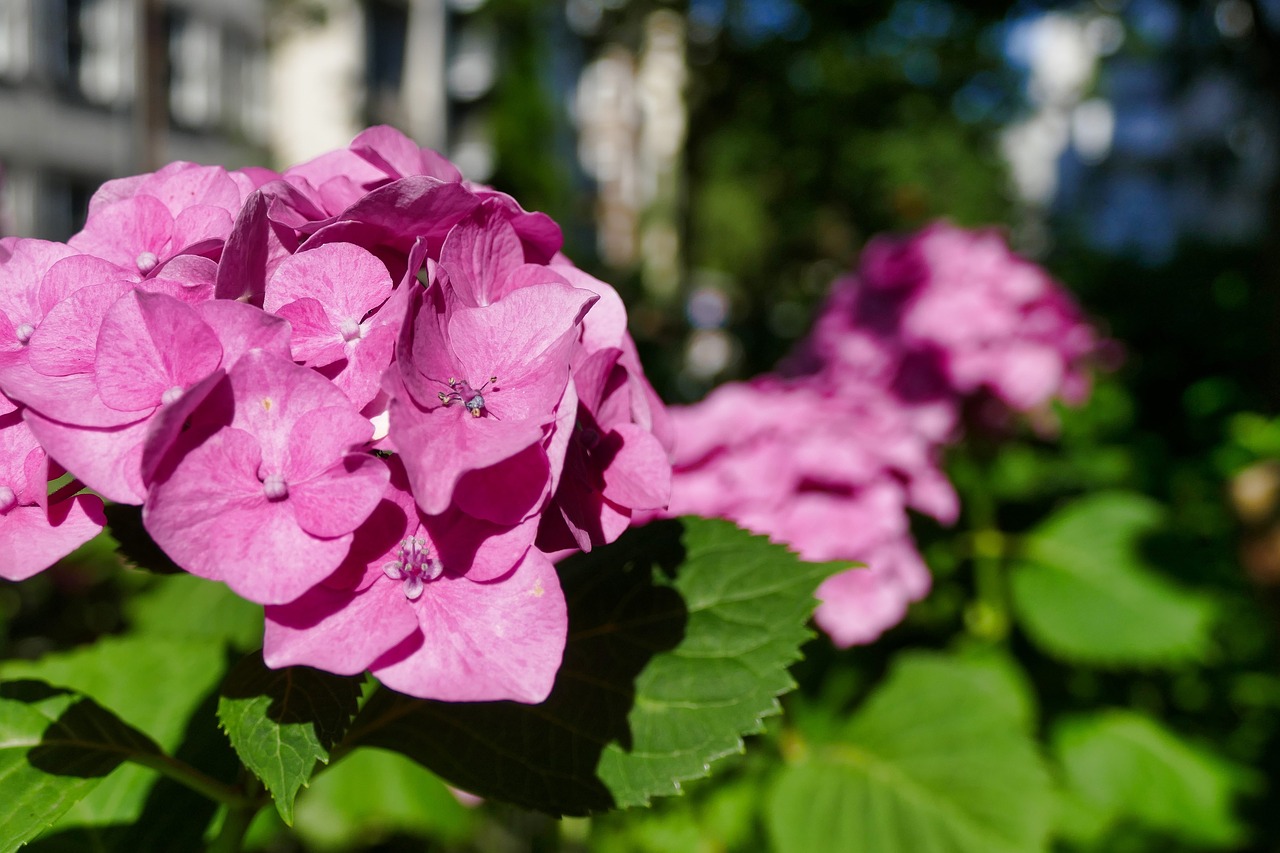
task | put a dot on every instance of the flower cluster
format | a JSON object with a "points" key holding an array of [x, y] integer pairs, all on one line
{"points": [[829, 454], [364, 393]]}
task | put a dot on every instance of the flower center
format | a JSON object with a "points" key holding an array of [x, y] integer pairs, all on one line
{"points": [[414, 565], [460, 391], [8, 500], [350, 330], [146, 262], [274, 487], [24, 332], [171, 395]]}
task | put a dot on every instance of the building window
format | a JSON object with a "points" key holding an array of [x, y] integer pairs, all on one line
{"points": [[102, 58], [195, 69], [385, 26], [15, 39]]}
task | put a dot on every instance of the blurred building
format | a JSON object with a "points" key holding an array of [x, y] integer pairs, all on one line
{"points": [[424, 66], [93, 89]]}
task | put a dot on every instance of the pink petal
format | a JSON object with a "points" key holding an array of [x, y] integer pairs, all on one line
{"points": [[106, 459], [485, 641], [440, 446], [31, 541], [508, 492], [347, 280], [241, 328], [525, 340], [212, 517], [639, 474], [479, 253], [150, 346], [335, 502], [66, 341], [338, 631]]}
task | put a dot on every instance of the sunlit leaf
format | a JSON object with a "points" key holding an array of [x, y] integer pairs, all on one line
{"points": [[1085, 592], [938, 759]]}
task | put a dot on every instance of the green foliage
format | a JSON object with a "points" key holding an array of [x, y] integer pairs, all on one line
{"points": [[55, 746], [153, 686], [1120, 765], [373, 793], [186, 607], [680, 636], [1085, 593], [282, 722], [939, 758]]}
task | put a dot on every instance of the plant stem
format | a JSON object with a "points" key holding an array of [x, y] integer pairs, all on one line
{"points": [[236, 823], [988, 616], [185, 774]]}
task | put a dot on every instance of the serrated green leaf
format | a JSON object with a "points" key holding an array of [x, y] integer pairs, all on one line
{"points": [[373, 793], [680, 635], [283, 721], [55, 746], [1084, 592], [1126, 765], [153, 686], [937, 759]]}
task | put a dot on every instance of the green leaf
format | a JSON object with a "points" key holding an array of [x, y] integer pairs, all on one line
{"points": [[371, 794], [55, 746], [1125, 765], [153, 686], [283, 721], [680, 635], [135, 544], [191, 608], [937, 759], [1085, 593]]}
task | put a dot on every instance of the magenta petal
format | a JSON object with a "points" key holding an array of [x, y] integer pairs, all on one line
{"points": [[639, 475], [479, 253], [320, 437], [337, 631], [479, 549], [123, 231], [485, 641], [151, 346], [200, 224], [31, 541], [338, 500], [189, 278], [508, 492], [66, 341], [347, 280], [525, 340], [271, 393], [243, 269], [106, 459], [241, 327], [167, 424], [316, 342], [70, 399], [212, 517], [438, 447]]}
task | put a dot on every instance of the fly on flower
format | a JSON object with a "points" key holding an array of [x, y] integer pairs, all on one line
{"points": [[460, 391]]}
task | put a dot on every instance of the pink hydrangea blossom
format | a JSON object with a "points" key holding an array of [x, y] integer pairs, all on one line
{"points": [[829, 454], [230, 349]]}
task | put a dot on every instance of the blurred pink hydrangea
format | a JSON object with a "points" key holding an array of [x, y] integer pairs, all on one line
{"points": [[357, 392], [830, 453]]}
